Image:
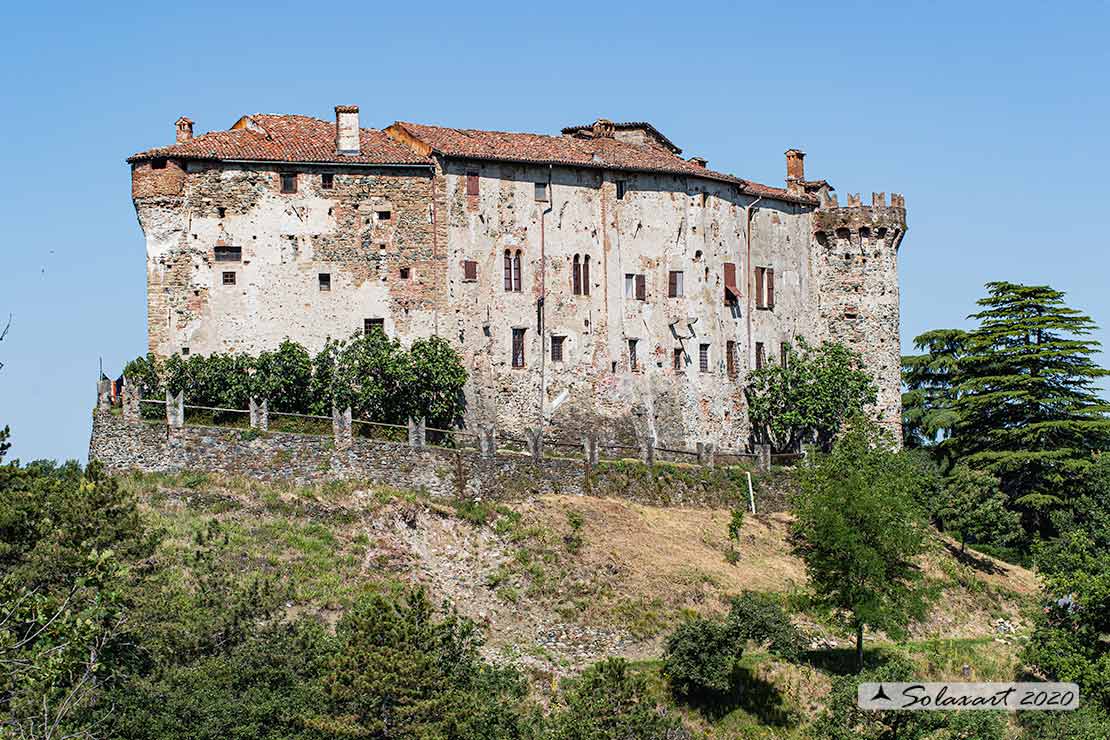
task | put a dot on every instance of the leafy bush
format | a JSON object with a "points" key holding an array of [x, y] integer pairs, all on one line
{"points": [[700, 660], [844, 720], [609, 702], [759, 618]]}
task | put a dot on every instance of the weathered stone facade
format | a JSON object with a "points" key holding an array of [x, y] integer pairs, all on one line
{"points": [[394, 225]]}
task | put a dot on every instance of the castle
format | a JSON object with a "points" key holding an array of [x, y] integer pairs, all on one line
{"points": [[594, 280]]}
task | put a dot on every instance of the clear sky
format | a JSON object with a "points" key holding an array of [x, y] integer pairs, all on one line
{"points": [[990, 118]]}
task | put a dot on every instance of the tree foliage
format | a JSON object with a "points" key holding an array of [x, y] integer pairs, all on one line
{"points": [[930, 380], [974, 507], [700, 660], [810, 397], [859, 531]]}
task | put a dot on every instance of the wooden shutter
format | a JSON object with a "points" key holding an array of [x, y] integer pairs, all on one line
{"points": [[508, 271], [672, 284], [586, 275], [471, 183], [576, 276], [759, 287], [731, 291], [470, 270], [770, 287], [641, 288], [516, 271]]}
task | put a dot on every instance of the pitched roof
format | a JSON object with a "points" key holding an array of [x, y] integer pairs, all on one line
{"points": [[600, 153], [285, 138], [630, 125]]}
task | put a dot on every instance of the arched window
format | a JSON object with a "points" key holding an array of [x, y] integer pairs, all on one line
{"points": [[576, 276], [516, 271], [586, 275], [508, 270]]}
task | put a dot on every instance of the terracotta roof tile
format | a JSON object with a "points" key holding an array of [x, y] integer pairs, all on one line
{"points": [[601, 153], [285, 138], [630, 125]]}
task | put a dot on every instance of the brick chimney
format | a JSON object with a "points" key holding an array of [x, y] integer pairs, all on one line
{"points": [[795, 165], [346, 130], [184, 129]]}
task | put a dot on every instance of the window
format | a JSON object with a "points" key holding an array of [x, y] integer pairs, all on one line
{"points": [[732, 292], [730, 358], [516, 271], [470, 271], [557, 348], [760, 355], [184, 351], [576, 275], [641, 288], [541, 192], [759, 286], [158, 164], [385, 215], [633, 362], [512, 271], [471, 183], [703, 358], [325, 282], [288, 182], [769, 276], [629, 286], [674, 284], [784, 354], [229, 278], [586, 275], [221, 211], [228, 254], [372, 325], [404, 273], [327, 181], [622, 188], [518, 347], [679, 361], [764, 287]]}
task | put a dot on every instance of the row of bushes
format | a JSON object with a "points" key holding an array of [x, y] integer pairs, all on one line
{"points": [[373, 374]]}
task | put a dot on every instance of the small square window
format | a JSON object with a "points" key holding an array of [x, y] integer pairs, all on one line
{"points": [[678, 360], [385, 215], [184, 351], [373, 325], [288, 182], [221, 211], [229, 278], [228, 254], [622, 188], [325, 282], [541, 192], [557, 348], [404, 273], [470, 271], [327, 181], [703, 358]]}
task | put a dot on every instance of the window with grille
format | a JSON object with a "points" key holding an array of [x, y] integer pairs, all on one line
{"points": [[373, 325], [557, 348], [674, 284], [228, 254], [703, 358], [229, 278], [325, 281], [288, 182], [518, 347], [470, 271]]}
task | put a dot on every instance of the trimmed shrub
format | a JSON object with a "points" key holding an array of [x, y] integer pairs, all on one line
{"points": [[700, 660], [759, 617]]}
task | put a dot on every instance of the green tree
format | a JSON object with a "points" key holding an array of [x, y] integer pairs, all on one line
{"points": [[859, 530], [436, 382], [1026, 408], [5, 445], [974, 507], [283, 377], [809, 397], [930, 381], [700, 659]]}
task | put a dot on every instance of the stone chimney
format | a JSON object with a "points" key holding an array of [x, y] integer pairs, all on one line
{"points": [[346, 130], [603, 128], [699, 162], [795, 165], [184, 129]]}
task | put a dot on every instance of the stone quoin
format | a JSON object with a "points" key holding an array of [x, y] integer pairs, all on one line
{"points": [[593, 281]]}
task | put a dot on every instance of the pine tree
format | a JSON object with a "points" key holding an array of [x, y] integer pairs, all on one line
{"points": [[1026, 408], [930, 386]]}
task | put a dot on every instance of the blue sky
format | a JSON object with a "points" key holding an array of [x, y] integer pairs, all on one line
{"points": [[990, 118]]}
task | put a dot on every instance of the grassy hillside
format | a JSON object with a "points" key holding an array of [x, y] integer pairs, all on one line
{"points": [[559, 582]]}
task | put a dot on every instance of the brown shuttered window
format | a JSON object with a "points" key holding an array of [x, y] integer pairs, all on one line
{"points": [[557, 348], [730, 358], [703, 358], [471, 183], [508, 270], [516, 271], [760, 355], [759, 287], [731, 291], [470, 270], [770, 276], [518, 347], [576, 275], [641, 288], [586, 275], [674, 284]]}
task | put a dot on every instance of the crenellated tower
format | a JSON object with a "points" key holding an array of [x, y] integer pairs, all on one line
{"points": [[855, 253]]}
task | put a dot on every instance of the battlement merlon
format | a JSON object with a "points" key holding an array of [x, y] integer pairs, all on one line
{"points": [[856, 222]]}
